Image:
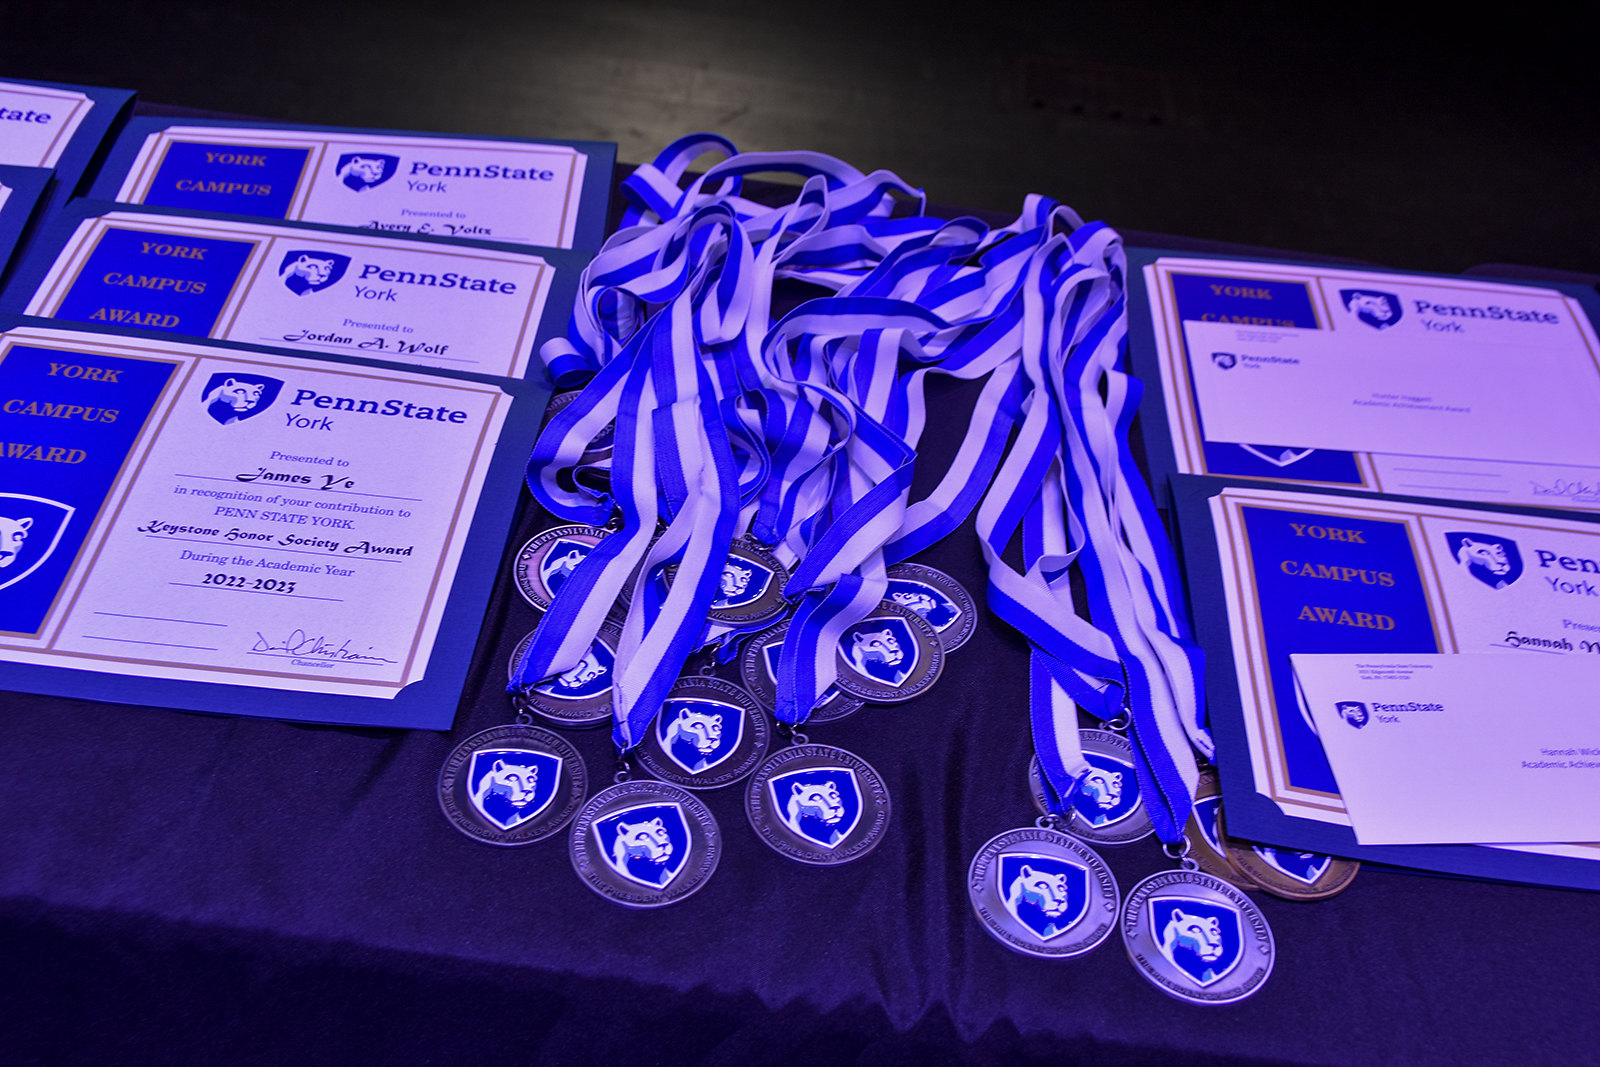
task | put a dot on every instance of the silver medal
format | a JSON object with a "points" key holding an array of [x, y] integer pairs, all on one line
{"points": [[750, 587], [543, 564], [645, 844], [580, 696], [818, 804], [758, 667], [938, 598], [709, 733], [512, 785], [599, 449], [1197, 938], [890, 656], [1043, 893], [1106, 807]]}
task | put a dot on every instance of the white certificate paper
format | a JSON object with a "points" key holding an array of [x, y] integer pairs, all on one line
{"points": [[1432, 386], [178, 512], [1460, 749], [37, 123], [453, 307]]}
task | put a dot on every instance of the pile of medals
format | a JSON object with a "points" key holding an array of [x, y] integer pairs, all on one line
{"points": [[734, 485]]}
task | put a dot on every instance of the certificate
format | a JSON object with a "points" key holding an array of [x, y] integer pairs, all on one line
{"points": [[1274, 573], [1465, 748], [1436, 386], [545, 193], [429, 304], [237, 531], [37, 122]]}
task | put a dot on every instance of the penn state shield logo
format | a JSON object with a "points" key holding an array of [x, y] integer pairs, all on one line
{"points": [[697, 734], [1201, 938], [30, 529], [1377, 309], [509, 786], [1304, 867], [883, 648], [232, 397], [1045, 894], [560, 561], [1107, 793], [364, 170], [589, 677], [1353, 712], [306, 270], [1494, 561], [743, 581], [647, 843], [821, 804], [1205, 814], [1225, 360], [934, 607]]}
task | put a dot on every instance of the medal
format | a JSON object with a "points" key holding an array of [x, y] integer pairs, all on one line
{"points": [[645, 844], [512, 785], [890, 656], [709, 733], [598, 450], [549, 557], [750, 588], [1197, 938], [1105, 807], [1042, 893], [580, 696], [1288, 873], [1203, 832], [818, 804], [758, 666], [938, 598]]}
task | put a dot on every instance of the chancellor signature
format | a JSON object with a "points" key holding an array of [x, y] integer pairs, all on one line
{"points": [[302, 645]]}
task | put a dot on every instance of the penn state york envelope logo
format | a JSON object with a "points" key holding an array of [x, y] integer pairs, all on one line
{"points": [[233, 396], [306, 270], [1374, 307], [1492, 560], [30, 529], [365, 170], [1353, 712]]}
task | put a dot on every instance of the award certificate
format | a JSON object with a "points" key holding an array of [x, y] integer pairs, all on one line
{"points": [[1436, 386], [523, 192], [37, 122], [286, 531], [1276, 573], [423, 303]]}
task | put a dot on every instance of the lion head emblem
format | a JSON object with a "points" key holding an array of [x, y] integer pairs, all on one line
{"points": [[1377, 309], [511, 786], [921, 603], [1494, 561], [231, 398], [363, 171], [700, 730], [1194, 938], [1045, 891], [587, 670], [304, 271], [1103, 788], [880, 653], [12, 533]]}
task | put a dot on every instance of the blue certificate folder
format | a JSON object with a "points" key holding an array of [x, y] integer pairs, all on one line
{"points": [[25, 188], [305, 171], [184, 294], [1385, 548], [43, 497], [106, 107]]}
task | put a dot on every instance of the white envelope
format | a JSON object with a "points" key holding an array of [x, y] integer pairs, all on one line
{"points": [[1453, 749]]}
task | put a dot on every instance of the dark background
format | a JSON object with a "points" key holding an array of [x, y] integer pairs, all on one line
{"points": [[1433, 141]]}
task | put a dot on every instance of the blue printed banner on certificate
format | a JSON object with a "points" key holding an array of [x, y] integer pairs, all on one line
{"points": [[1467, 749], [1434, 386], [522, 192], [428, 304], [181, 513]]}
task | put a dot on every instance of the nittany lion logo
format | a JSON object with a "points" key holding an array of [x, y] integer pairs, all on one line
{"points": [[589, 677], [509, 786], [648, 843], [1494, 561], [822, 804], [742, 582], [1377, 309], [883, 648], [305, 271], [1353, 712], [936, 609], [1225, 360], [698, 735], [1304, 867], [1205, 816], [1045, 894], [1106, 794], [363, 170], [232, 397], [560, 561], [1201, 938], [30, 529]]}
